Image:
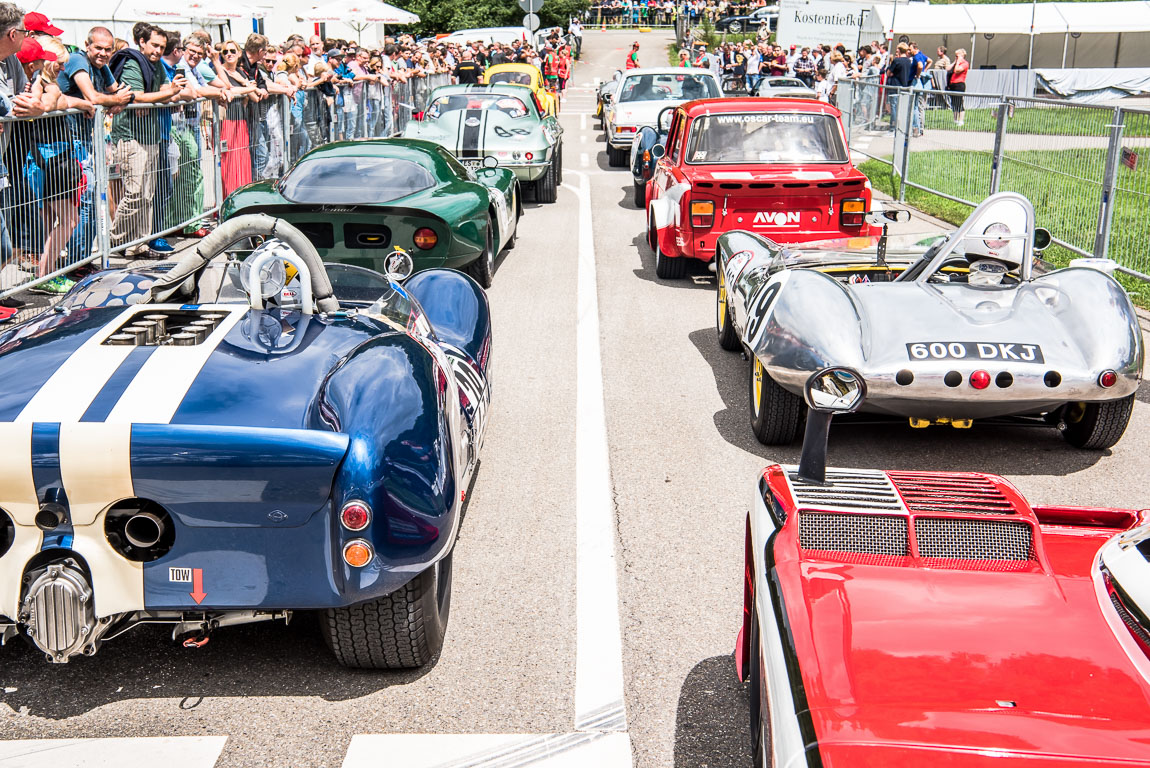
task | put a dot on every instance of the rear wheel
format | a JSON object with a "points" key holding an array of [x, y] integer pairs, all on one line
{"points": [[403, 630], [776, 414], [735, 27], [760, 723], [728, 339], [546, 190], [483, 268], [617, 158], [640, 195], [1096, 426], [666, 267], [559, 163]]}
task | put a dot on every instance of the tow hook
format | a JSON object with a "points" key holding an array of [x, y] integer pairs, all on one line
{"points": [[196, 641]]}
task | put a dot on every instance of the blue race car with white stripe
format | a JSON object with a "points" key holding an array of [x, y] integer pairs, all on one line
{"points": [[229, 441]]}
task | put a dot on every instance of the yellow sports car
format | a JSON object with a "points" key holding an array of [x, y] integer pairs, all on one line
{"points": [[524, 74]]}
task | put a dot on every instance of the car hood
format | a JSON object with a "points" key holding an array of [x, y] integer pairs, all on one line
{"points": [[257, 369], [462, 131]]}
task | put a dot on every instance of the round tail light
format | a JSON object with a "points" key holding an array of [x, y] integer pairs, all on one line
{"points": [[357, 553], [1108, 379], [980, 379], [355, 515], [425, 238], [528, 156]]}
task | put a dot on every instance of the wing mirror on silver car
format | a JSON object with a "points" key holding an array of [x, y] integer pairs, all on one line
{"points": [[1042, 239], [827, 392], [490, 161], [658, 151], [884, 216]]}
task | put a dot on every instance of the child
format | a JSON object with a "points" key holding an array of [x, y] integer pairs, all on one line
{"points": [[823, 86]]}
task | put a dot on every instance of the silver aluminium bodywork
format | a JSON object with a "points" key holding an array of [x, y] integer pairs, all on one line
{"points": [[1044, 341]]}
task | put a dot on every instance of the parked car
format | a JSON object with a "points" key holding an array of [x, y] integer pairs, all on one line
{"points": [[767, 16], [357, 200], [783, 88], [601, 97], [224, 441], [779, 167], [895, 618], [951, 330], [504, 122], [526, 75], [639, 96]]}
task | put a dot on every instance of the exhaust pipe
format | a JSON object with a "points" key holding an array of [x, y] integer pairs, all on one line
{"points": [[144, 530]]}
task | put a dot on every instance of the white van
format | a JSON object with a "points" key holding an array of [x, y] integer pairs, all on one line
{"points": [[487, 34]]}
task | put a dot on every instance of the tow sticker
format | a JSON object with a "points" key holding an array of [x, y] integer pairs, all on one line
{"points": [[975, 350], [180, 575]]}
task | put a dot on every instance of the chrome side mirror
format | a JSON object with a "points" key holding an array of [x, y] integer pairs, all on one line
{"points": [[490, 161], [658, 151], [399, 265], [827, 392], [1042, 239]]}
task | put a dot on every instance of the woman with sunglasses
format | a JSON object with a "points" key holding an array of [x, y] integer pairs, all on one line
{"points": [[236, 161]]}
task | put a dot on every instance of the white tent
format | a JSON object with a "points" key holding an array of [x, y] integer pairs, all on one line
{"points": [[358, 14], [120, 15], [1087, 34]]}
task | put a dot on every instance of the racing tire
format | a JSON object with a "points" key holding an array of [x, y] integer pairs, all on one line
{"points": [[559, 164], [760, 720], [546, 188], [514, 232], [666, 268], [1097, 426], [640, 194], [776, 414], [483, 268], [402, 630], [728, 338], [617, 158]]}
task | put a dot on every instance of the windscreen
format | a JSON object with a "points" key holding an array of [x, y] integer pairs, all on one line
{"points": [[354, 180], [764, 137], [669, 88], [498, 102], [514, 78]]}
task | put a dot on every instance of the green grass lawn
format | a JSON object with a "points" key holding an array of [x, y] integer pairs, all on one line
{"points": [[1062, 121], [1066, 203]]}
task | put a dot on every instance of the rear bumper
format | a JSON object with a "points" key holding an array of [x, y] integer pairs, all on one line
{"points": [[528, 172], [694, 243]]}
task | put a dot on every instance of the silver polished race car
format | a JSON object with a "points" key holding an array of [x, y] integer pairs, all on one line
{"points": [[944, 329]]}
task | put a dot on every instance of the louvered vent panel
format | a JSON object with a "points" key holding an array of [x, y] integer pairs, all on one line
{"points": [[968, 494], [847, 489]]}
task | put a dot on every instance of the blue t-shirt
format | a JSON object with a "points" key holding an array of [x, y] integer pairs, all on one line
{"points": [[102, 81], [920, 61]]}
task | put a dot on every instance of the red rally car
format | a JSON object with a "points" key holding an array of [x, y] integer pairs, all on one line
{"points": [[778, 167]]}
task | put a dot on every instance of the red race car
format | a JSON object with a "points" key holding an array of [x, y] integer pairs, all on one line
{"points": [[778, 167], [906, 619]]}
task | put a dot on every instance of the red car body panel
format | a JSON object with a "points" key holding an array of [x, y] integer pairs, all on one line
{"points": [[912, 661], [789, 203]]}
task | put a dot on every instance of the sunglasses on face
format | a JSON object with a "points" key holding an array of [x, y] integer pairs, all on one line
{"points": [[230, 51]]}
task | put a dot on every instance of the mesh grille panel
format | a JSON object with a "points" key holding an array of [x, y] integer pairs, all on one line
{"points": [[1129, 620], [847, 489], [960, 539], [870, 534], [930, 492]]}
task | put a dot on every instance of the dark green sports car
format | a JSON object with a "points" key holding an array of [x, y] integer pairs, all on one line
{"points": [[357, 201]]}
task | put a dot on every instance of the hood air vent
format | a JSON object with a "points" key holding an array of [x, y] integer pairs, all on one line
{"points": [[860, 534], [963, 493], [957, 538]]}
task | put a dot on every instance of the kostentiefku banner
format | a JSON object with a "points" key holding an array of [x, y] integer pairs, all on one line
{"points": [[812, 22]]}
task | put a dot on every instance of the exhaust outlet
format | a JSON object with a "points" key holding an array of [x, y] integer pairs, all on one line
{"points": [[51, 516], [144, 530]]}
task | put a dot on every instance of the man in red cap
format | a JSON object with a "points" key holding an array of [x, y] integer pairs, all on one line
{"points": [[39, 24]]}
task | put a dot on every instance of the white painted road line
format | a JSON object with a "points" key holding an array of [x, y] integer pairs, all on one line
{"points": [[598, 649], [169, 752], [584, 160], [583, 121], [484, 750]]}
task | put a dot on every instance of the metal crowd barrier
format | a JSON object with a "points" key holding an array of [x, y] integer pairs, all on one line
{"points": [[81, 189], [1084, 166]]}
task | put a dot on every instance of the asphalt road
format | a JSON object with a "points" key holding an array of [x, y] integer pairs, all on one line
{"points": [[683, 466]]}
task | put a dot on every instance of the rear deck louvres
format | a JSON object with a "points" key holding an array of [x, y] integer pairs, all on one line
{"points": [[847, 489], [963, 494]]}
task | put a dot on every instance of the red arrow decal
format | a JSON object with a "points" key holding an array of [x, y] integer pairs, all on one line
{"points": [[198, 594]]}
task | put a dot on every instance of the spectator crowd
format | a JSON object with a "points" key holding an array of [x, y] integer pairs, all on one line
{"points": [[169, 101]]}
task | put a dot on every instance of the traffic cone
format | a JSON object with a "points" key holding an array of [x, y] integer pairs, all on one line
{"points": [[604, 29]]}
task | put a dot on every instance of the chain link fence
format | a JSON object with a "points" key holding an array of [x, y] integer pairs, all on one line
{"points": [[78, 188], [1083, 166]]}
